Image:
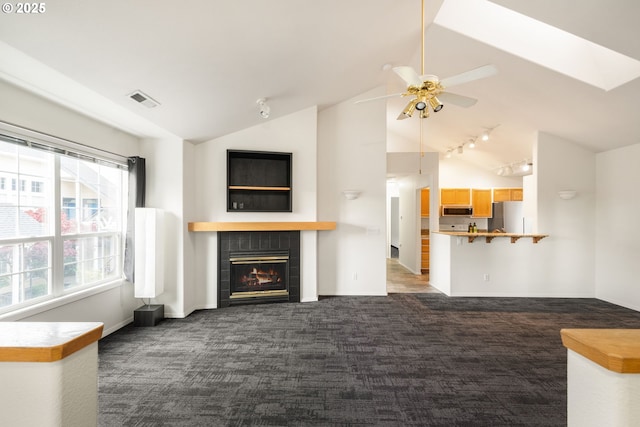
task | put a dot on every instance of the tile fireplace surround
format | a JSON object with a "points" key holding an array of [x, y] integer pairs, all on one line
{"points": [[242, 236], [258, 242]]}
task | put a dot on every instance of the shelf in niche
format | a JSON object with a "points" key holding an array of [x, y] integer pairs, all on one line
{"points": [[253, 188], [258, 181]]}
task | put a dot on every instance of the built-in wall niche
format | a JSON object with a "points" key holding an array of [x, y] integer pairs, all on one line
{"points": [[258, 181]]}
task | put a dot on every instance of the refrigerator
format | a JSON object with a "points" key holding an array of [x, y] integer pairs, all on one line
{"points": [[507, 216]]}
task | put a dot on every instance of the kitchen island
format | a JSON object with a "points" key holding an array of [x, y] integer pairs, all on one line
{"points": [[495, 265]]}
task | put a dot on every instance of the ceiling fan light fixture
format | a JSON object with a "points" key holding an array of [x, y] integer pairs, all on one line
{"points": [[409, 109], [435, 104], [424, 114], [421, 103]]}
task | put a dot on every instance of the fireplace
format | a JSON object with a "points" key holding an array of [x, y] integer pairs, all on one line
{"points": [[259, 274], [258, 267]]}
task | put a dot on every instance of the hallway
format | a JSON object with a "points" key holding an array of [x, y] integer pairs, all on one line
{"points": [[400, 280]]}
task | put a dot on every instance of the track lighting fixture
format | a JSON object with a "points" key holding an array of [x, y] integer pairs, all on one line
{"points": [[516, 168], [487, 132], [265, 110]]}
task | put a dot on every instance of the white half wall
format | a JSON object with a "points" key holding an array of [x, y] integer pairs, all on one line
{"points": [[352, 156], [617, 230]]}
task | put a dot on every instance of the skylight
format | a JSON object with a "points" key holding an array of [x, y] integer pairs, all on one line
{"points": [[538, 42]]}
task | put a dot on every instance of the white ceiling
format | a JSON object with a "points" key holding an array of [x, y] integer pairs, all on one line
{"points": [[208, 61]]}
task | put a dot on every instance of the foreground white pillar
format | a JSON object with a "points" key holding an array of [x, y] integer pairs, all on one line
{"points": [[603, 377], [49, 373]]}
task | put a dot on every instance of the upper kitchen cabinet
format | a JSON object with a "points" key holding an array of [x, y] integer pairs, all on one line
{"points": [[258, 181], [424, 202], [507, 194], [455, 196], [481, 203]]}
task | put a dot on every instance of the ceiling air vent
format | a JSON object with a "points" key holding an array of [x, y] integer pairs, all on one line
{"points": [[144, 99]]}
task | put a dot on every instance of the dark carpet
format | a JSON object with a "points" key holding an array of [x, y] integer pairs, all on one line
{"points": [[402, 360]]}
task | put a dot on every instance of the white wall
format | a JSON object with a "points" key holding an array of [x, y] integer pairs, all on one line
{"points": [[113, 305], [352, 155], [617, 228], [165, 171], [570, 250], [295, 133], [455, 172]]}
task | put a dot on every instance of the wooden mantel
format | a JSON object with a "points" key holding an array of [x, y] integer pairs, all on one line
{"points": [[262, 226]]}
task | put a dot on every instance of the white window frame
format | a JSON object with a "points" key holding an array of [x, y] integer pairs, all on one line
{"points": [[55, 238]]}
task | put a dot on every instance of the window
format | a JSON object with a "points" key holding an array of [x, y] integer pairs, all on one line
{"points": [[37, 186], [3, 183], [39, 260]]}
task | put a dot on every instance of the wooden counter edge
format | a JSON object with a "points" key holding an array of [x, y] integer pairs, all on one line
{"points": [[53, 353], [605, 354], [261, 226]]}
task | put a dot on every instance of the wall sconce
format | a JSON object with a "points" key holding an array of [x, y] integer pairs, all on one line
{"points": [[567, 194], [351, 194]]}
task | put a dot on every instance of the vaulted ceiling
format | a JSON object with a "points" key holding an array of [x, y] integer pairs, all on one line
{"points": [[207, 62]]}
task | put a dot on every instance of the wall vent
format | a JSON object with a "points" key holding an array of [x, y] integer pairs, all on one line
{"points": [[144, 99]]}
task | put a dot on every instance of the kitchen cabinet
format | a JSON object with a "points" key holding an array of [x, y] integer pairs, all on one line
{"points": [[481, 203], [507, 194], [455, 196], [424, 202], [425, 253]]}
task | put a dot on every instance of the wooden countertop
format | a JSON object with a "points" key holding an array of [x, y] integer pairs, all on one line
{"points": [[489, 236], [617, 350], [262, 226], [45, 341]]}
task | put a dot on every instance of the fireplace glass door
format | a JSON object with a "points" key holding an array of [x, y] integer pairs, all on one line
{"points": [[258, 275]]}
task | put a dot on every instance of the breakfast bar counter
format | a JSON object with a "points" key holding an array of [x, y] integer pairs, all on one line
{"points": [[490, 264], [489, 236]]}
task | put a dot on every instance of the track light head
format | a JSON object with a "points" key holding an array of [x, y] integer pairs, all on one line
{"points": [[265, 110]]}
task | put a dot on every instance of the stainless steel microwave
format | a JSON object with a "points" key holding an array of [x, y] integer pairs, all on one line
{"points": [[457, 211]]}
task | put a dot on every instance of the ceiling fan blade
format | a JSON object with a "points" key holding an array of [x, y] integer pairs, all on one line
{"points": [[475, 74], [459, 100], [409, 75], [360, 101]]}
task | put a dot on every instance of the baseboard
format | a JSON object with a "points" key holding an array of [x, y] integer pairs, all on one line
{"points": [[117, 326]]}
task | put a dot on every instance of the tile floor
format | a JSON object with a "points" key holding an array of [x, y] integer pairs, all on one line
{"points": [[401, 280]]}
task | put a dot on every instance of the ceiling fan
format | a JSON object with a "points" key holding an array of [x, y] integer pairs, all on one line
{"points": [[427, 90]]}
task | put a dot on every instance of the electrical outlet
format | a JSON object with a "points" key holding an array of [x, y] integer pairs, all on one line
{"points": [[486, 277]]}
